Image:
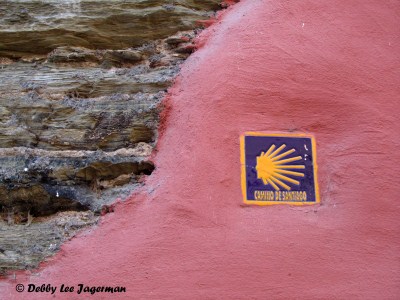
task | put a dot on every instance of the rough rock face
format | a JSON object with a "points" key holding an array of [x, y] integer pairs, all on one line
{"points": [[80, 89], [39, 26]]}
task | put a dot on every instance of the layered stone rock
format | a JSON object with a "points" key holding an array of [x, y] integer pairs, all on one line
{"points": [[81, 84], [39, 26]]}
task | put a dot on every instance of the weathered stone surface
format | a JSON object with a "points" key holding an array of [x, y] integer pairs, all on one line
{"points": [[81, 83], [68, 102], [33, 119], [35, 179], [29, 26], [25, 246]]}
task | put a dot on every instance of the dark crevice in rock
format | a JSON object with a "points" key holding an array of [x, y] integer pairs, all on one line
{"points": [[102, 170], [18, 203]]}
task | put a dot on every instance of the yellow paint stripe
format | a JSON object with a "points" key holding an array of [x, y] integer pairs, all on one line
{"points": [[277, 151], [265, 182], [243, 163], [290, 167], [289, 173], [288, 160], [270, 150], [280, 183], [273, 184], [283, 155], [286, 178]]}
